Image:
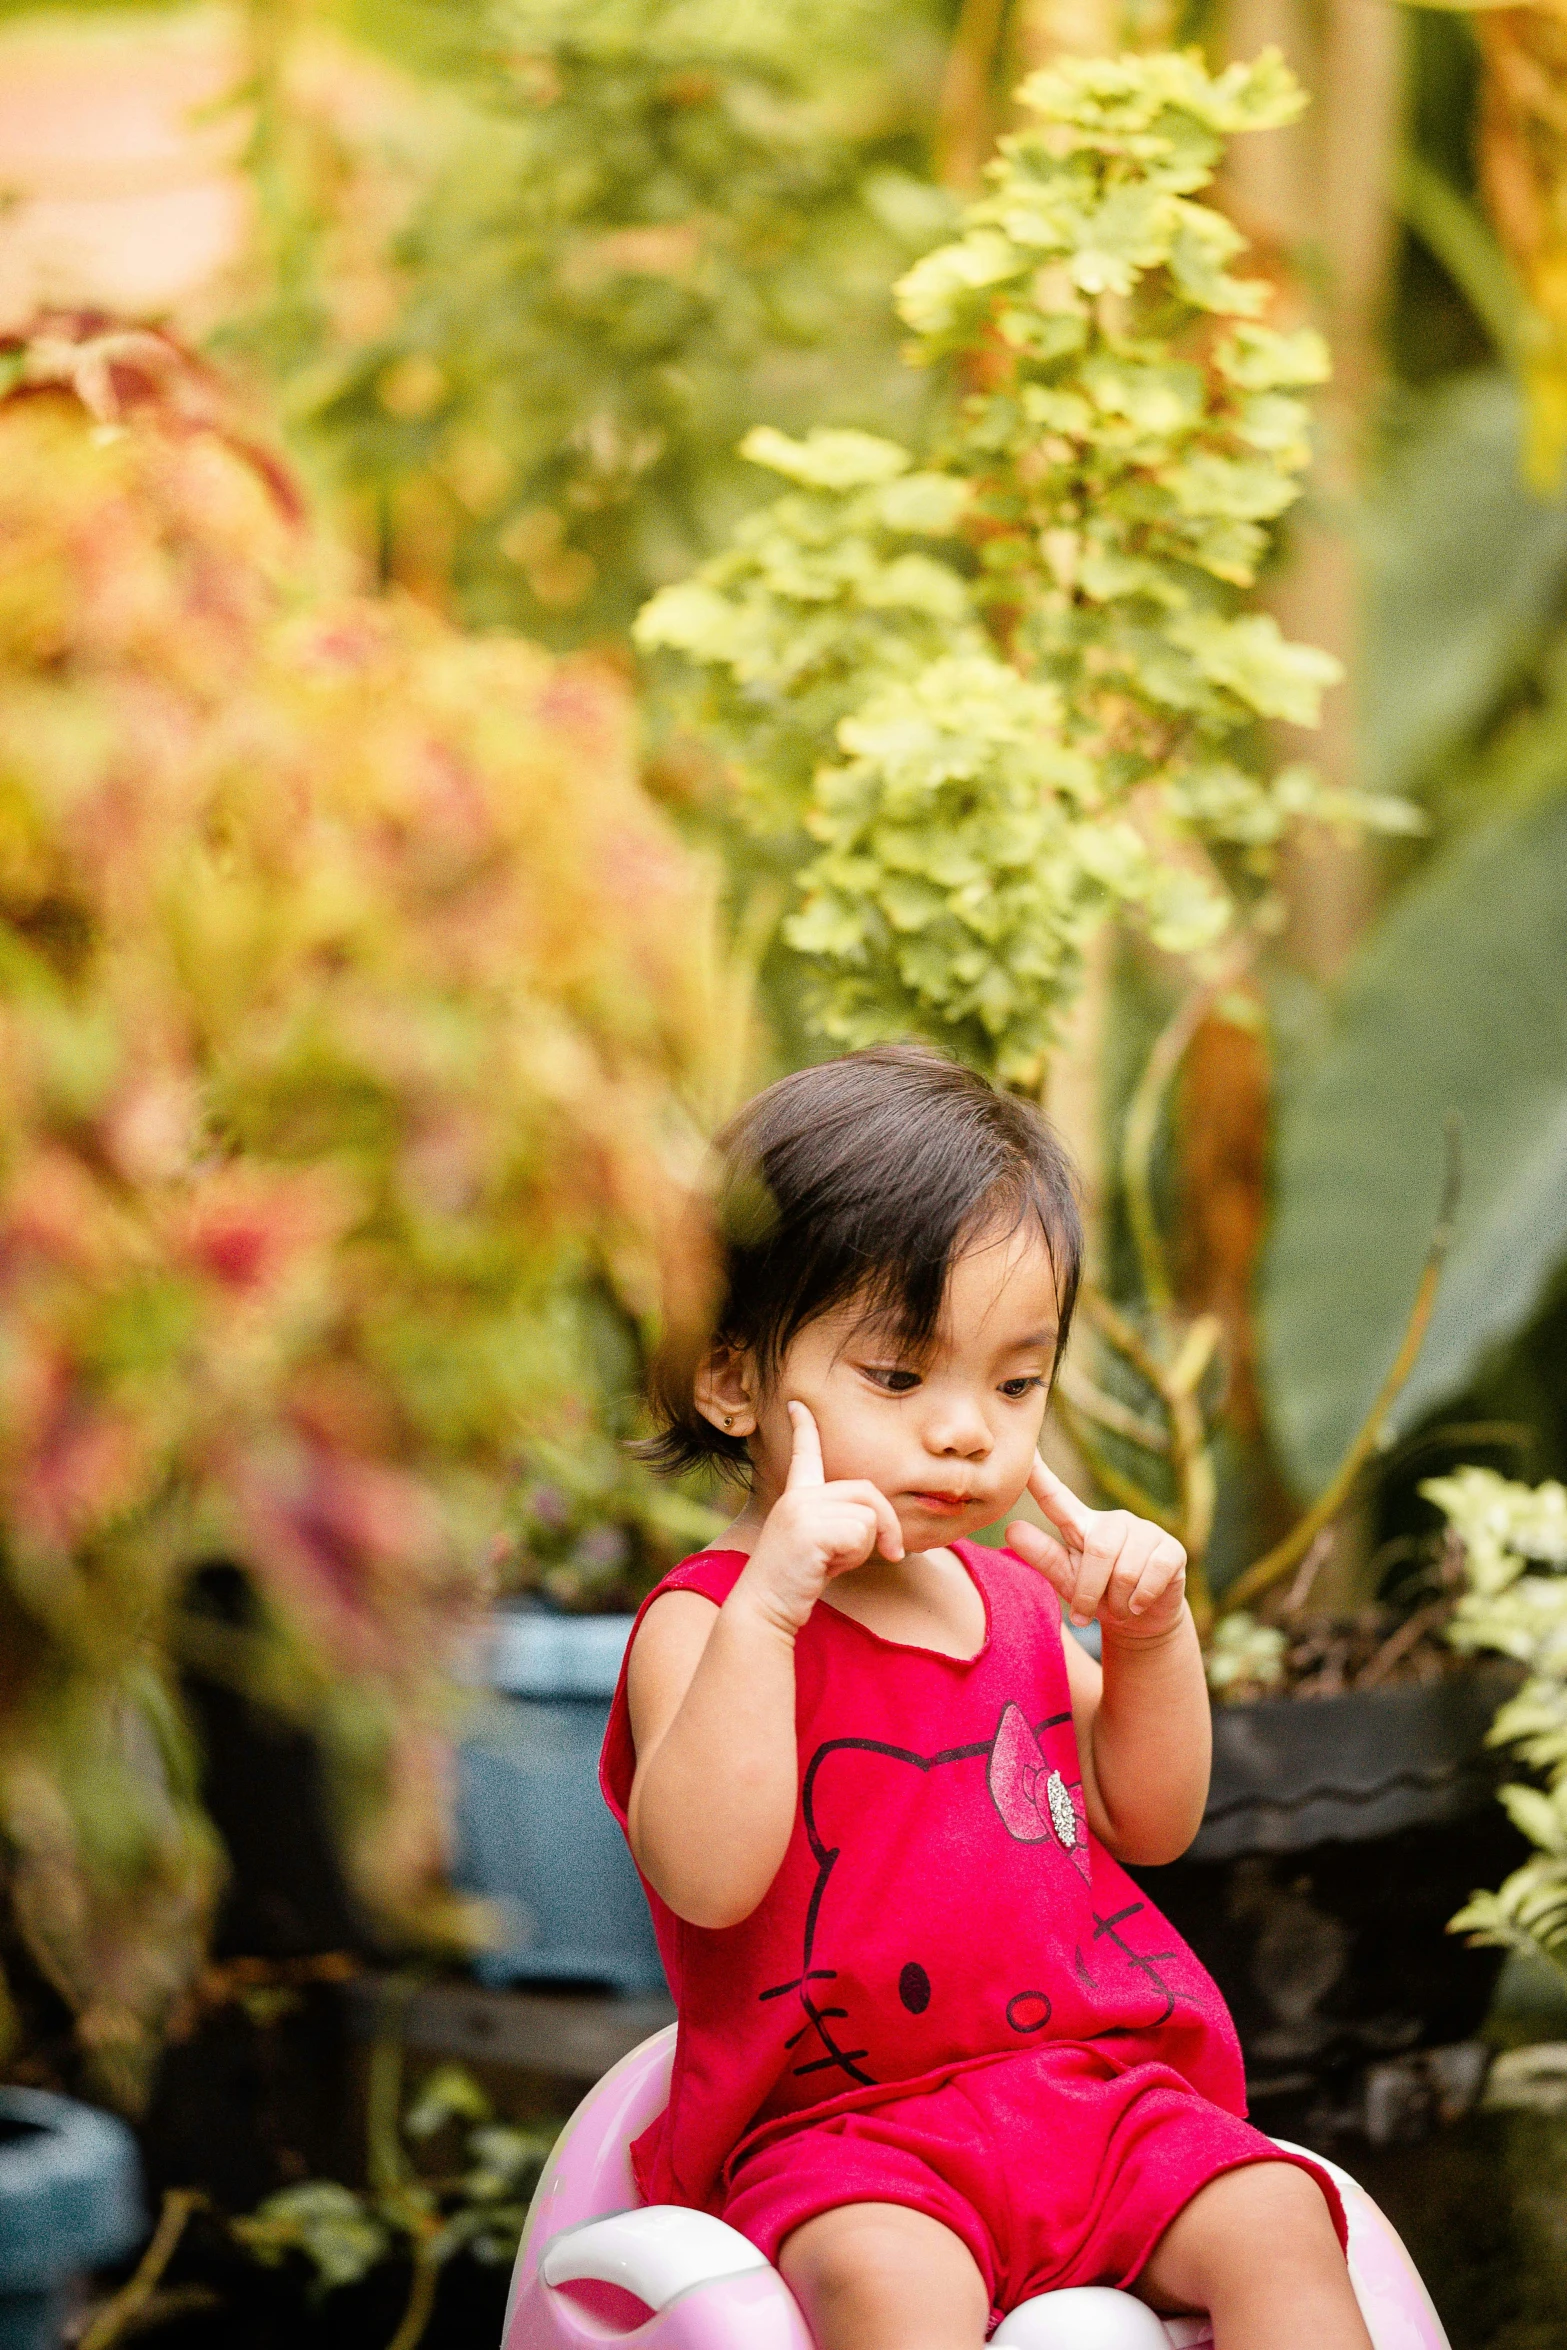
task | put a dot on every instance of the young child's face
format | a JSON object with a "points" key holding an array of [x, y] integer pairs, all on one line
{"points": [[948, 1436]]}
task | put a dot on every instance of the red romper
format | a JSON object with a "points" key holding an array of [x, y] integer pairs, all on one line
{"points": [[951, 1996]]}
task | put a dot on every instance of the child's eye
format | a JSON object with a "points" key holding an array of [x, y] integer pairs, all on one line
{"points": [[1015, 1389], [895, 1382]]}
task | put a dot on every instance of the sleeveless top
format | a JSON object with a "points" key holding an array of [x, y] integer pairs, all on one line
{"points": [[942, 1901]]}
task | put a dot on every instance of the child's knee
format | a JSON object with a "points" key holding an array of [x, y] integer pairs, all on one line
{"points": [[874, 2257], [1278, 2204], [847, 2254]]}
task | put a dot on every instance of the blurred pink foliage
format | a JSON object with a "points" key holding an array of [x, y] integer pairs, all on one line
{"points": [[349, 991]]}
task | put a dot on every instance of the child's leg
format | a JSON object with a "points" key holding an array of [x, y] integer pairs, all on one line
{"points": [[1256, 2248], [881, 2276]]}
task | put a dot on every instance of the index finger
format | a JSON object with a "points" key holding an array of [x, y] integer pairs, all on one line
{"points": [[805, 1461], [1071, 1517]]}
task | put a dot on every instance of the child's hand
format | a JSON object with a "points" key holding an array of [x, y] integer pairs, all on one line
{"points": [[1128, 1573], [815, 1531]]}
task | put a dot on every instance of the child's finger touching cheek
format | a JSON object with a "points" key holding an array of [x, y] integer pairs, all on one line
{"points": [[1041, 1550], [1072, 1518]]}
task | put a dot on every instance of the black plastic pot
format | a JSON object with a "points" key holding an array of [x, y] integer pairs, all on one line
{"points": [[1341, 1834], [70, 2199]]}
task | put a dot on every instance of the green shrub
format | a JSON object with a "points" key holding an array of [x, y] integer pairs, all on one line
{"points": [[1010, 688]]}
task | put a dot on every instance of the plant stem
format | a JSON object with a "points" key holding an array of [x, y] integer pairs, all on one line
{"points": [[1146, 1108], [1176, 1385], [1107, 1411], [421, 2302], [179, 2203], [1277, 1562], [963, 124], [1121, 1488], [384, 2162], [1408, 1635]]}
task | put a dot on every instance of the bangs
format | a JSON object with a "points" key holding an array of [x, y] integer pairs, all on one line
{"points": [[899, 1264]]}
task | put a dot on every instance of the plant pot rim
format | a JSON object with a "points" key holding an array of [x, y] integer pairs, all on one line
{"points": [[70, 2190], [1289, 1773], [532, 1652]]}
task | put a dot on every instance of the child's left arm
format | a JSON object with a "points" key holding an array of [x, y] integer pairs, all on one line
{"points": [[1142, 1722]]}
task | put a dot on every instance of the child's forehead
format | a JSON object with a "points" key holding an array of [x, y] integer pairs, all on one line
{"points": [[1001, 1290]]}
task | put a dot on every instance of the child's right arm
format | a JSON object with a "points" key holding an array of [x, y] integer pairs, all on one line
{"points": [[711, 1694]]}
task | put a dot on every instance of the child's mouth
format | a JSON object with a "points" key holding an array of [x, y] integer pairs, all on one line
{"points": [[949, 1502]]}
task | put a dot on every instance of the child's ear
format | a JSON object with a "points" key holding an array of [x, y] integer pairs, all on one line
{"points": [[725, 1391]]}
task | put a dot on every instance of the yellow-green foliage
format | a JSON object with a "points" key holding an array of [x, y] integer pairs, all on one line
{"points": [[1008, 689], [642, 218], [1514, 1540], [348, 988]]}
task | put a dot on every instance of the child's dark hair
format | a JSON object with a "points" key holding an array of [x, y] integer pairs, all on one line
{"points": [[864, 1178]]}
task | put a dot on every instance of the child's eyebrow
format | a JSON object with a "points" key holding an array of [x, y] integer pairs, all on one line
{"points": [[884, 1337]]}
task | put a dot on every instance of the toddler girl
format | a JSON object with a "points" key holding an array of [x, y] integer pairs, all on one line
{"points": [[936, 2053]]}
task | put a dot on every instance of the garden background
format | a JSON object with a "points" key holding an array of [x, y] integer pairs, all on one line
{"points": [[559, 558]]}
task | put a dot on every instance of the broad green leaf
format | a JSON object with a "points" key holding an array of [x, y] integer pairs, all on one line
{"points": [[930, 503], [1231, 488], [1463, 567], [933, 293], [1160, 399], [1458, 1004]]}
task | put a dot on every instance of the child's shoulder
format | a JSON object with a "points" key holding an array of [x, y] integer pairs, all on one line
{"points": [[711, 1574]]}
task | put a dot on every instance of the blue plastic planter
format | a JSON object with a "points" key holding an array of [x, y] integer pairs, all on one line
{"points": [[534, 1836], [70, 2199]]}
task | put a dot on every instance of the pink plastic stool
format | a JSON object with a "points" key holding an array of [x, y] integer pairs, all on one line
{"points": [[597, 2265]]}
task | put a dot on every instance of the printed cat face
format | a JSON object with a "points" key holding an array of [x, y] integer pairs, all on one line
{"points": [[953, 1912]]}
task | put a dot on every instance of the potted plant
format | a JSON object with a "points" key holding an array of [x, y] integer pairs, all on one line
{"points": [[1351, 1799], [350, 993], [594, 1531]]}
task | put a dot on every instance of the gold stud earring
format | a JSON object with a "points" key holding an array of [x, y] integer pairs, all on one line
{"points": [[729, 1419]]}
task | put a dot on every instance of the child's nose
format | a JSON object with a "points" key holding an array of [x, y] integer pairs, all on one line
{"points": [[958, 1426]]}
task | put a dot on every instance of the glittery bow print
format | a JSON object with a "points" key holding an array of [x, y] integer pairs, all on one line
{"points": [[1033, 1799]]}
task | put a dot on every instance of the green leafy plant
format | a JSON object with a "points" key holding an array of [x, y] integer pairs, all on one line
{"points": [[1010, 690], [1245, 1658], [625, 226], [478, 2206], [350, 991], [1514, 1543], [411, 2211], [593, 1527]]}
